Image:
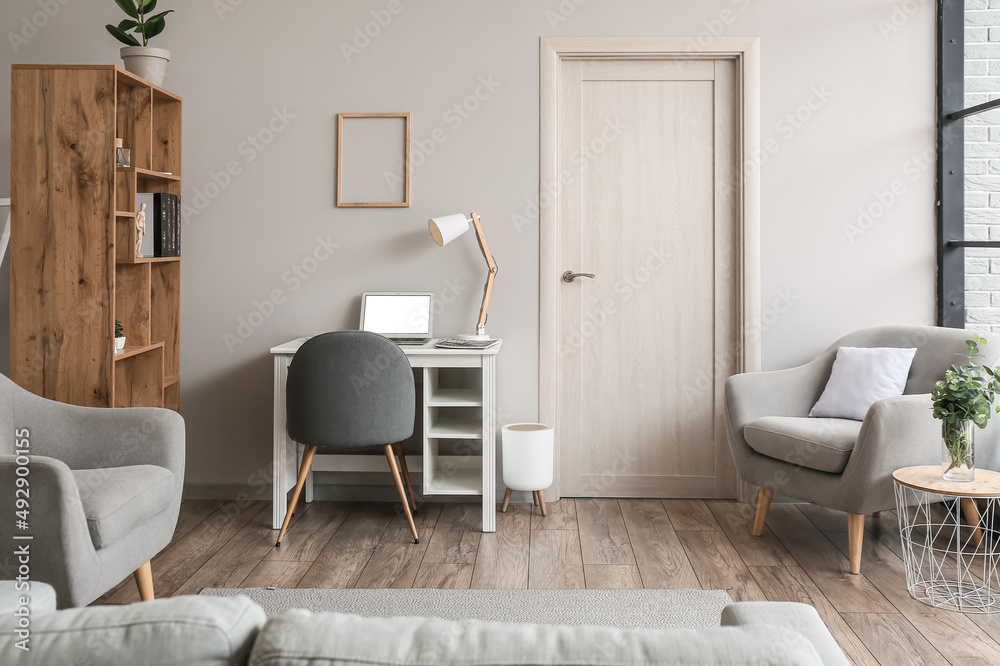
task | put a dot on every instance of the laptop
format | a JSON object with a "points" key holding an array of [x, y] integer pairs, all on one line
{"points": [[402, 316]]}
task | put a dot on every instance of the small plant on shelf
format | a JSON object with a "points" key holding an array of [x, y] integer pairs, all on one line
{"points": [[138, 22], [119, 336]]}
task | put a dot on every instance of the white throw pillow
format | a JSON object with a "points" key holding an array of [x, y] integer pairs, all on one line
{"points": [[860, 376]]}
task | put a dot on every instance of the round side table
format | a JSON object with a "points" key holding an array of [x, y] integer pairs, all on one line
{"points": [[949, 564]]}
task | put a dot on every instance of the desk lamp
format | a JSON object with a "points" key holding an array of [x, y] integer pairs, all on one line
{"points": [[446, 229]]}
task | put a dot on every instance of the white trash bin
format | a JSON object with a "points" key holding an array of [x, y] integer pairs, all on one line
{"points": [[527, 460]]}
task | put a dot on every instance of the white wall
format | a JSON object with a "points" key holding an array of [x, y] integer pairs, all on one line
{"points": [[872, 116]]}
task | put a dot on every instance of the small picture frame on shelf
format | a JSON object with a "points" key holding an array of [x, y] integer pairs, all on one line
{"points": [[373, 160], [123, 156]]}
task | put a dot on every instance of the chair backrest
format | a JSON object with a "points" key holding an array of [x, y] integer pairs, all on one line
{"points": [[349, 389], [937, 349]]}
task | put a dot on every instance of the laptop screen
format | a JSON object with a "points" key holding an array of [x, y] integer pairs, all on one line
{"points": [[399, 314]]}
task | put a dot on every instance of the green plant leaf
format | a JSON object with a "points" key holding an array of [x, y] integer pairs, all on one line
{"points": [[122, 37], [127, 25], [153, 27], [144, 4], [129, 7], [150, 7]]}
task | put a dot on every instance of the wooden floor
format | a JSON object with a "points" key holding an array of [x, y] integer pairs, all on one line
{"points": [[584, 543]]}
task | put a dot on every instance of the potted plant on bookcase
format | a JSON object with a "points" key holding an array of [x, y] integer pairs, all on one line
{"points": [[141, 59], [119, 337]]}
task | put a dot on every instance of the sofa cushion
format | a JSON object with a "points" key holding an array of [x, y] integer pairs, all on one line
{"points": [[820, 444], [116, 500], [800, 618], [207, 631], [301, 638]]}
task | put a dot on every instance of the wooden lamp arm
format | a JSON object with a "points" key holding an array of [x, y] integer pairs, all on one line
{"points": [[491, 265]]}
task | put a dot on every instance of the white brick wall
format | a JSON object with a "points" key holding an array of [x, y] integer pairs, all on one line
{"points": [[982, 163]]}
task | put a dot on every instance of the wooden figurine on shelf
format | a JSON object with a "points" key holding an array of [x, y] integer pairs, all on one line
{"points": [[140, 228]]}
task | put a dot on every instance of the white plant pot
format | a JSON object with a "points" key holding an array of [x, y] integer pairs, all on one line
{"points": [[119, 344], [146, 62], [527, 455]]}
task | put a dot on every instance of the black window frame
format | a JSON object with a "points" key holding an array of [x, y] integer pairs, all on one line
{"points": [[951, 114]]}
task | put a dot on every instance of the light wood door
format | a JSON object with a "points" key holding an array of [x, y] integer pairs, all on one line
{"points": [[649, 202]]}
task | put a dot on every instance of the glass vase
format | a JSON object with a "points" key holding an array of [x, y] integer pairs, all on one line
{"points": [[958, 450]]}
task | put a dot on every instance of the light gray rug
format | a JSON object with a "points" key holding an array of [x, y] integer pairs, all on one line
{"points": [[614, 608]]}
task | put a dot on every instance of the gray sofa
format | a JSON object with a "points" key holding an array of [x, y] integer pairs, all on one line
{"points": [[209, 631]]}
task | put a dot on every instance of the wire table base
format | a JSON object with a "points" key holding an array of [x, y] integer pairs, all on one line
{"points": [[950, 563]]}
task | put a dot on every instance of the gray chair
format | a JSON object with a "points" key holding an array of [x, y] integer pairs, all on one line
{"points": [[843, 464], [347, 392], [103, 491]]}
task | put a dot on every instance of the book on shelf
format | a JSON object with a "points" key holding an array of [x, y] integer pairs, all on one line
{"points": [[457, 343], [166, 227]]}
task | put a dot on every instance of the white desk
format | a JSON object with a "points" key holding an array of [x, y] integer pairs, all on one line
{"points": [[459, 415]]}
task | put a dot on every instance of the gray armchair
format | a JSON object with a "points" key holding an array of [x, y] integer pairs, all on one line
{"points": [[103, 492], [842, 464]]}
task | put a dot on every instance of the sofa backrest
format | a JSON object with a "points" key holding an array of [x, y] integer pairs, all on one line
{"points": [[298, 637], [937, 349]]}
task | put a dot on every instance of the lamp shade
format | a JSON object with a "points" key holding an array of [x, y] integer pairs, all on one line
{"points": [[447, 228]]}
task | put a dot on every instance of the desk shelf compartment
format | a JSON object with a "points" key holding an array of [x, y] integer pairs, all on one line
{"points": [[453, 387], [455, 422], [453, 467]]}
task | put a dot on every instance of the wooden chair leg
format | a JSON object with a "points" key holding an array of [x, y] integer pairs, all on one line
{"points": [[144, 581], [402, 493], [855, 539], [307, 460], [971, 512], [541, 502], [534, 497], [506, 500], [764, 496], [406, 473]]}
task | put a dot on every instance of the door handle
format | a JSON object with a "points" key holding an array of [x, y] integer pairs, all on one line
{"points": [[569, 276]]}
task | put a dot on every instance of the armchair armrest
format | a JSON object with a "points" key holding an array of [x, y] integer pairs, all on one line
{"points": [[897, 432], [790, 392], [90, 438], [60, 551]]}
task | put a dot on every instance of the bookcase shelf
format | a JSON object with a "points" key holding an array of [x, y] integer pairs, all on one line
{"points": [[73, 266]]}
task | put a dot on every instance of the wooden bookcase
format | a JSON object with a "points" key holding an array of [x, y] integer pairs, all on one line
{"points": [[73, 264]]}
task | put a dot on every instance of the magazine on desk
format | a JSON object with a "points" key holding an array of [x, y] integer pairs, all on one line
{"points": [[455, 343]]}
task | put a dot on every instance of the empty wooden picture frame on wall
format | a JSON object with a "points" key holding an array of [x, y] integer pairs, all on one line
{"points": [[373, 160]]}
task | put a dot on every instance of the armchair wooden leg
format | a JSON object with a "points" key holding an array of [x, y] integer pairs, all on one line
{"points": [[541, 502], [764, 496], [307, 460], [506, 501], [971, 512], [855, 539], [398, 446], [534, 497], [144, 581], [402, 493]]}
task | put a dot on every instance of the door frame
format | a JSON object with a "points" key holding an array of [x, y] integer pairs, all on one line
{"points": [[552, 52]]}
